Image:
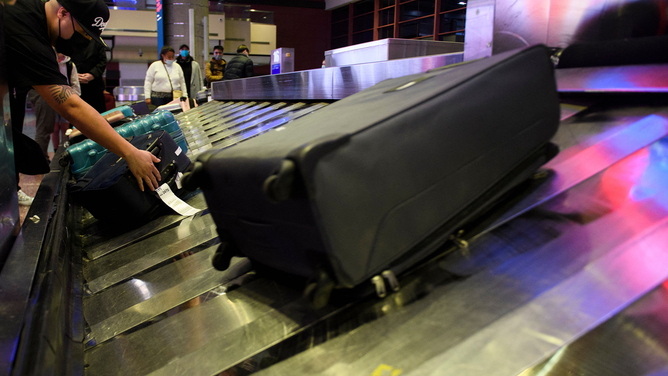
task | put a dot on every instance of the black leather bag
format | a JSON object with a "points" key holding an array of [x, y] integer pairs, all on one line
{"points": [[30, 159], [111, 193], [376, 182]]}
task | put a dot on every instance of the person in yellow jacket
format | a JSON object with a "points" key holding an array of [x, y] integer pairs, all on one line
{"points": [[215, 68]]}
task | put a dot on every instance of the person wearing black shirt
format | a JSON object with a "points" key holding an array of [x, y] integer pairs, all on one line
{"points": [[191, 71], [91, 63], [33, 28], [240, 66]]}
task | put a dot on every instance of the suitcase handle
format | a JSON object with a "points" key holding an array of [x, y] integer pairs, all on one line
{"points": [[169, 173], [155, 147]]}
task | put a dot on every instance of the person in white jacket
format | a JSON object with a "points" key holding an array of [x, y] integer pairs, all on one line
{"points": [[163, 77], [69, 70]]}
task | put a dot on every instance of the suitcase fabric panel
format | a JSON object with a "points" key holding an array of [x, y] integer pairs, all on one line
{"points": [[395, 181]]}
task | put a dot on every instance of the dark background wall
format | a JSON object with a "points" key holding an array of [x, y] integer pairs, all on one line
{"points": [[307, 30]]}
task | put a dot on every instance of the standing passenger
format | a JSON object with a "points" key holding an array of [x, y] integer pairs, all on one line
{"points": [[91, 63], [191, 71], [45, 120], [32, 29], [163, 78], [240, 66], [215, 68]]}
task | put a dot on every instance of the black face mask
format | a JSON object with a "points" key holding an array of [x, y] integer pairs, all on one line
{"points": [[72, 46]]}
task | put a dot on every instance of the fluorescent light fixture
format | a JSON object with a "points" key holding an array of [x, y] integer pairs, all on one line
{"points": [[462, 3]]}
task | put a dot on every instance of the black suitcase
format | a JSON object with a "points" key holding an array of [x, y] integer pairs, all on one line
{"points": [[374, 183], [110, 192]]}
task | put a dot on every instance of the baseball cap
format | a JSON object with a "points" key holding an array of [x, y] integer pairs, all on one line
{"points": [[91, 15]]}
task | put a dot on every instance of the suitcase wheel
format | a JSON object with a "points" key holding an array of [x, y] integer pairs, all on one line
{"points": [[223, 256], [278, 187], [383, 281], [317, 293], [65, 160], [191, 179]]}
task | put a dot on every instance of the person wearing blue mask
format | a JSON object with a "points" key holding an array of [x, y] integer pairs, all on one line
{"points": [[164, 80], [215, 68], [191, 71]]}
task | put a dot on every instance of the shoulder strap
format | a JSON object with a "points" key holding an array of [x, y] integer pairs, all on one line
{"points": [[169, 78], [68, 65]]}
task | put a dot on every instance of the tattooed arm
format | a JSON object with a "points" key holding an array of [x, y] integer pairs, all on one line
{"points": [[67, 103]]}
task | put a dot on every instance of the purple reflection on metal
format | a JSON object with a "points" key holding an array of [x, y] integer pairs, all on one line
{"points": [[635, 78], [654, 181]]}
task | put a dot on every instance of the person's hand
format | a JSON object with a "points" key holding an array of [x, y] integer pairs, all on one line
{"points": [[148, 100], [141, 164], [85, 78]]}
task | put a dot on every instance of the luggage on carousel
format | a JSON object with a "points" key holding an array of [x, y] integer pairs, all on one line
{"points": [[115, 117], [84, 155], [370, 185], [117, 114], [110, 192]]}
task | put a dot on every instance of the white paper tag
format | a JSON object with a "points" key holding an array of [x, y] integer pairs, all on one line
{"points": [[178, 152], [184, 228], [178, 180], [178, 205]]}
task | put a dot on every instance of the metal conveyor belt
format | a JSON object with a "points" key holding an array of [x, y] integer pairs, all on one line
{"points": [[553, 264]]}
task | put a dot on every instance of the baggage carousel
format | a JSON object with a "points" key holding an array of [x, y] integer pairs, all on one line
{"points": [[568, 275]]}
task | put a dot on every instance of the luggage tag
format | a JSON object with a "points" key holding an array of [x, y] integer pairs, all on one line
{"points": [[166, 194], [170, 199]]}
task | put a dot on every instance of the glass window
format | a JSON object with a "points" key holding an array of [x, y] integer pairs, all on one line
{"points": [[339, 42], [366, 36], [453, 21], [262, 16], [386, 17], [415, 9], [340, 14], [419, 28], [447, 5], [339, 29], [385, 3], [386, 32], [361, 7], [363, 22], [453, 37]]}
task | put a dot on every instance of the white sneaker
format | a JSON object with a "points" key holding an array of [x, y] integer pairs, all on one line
{"points": [[24, 199]]}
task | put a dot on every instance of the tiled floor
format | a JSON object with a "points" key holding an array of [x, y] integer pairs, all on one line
{"points": [[30, 183]]}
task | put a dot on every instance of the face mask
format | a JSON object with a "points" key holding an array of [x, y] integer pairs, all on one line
{"points": [[169, 62], [185, 53], [218, 57], [72, 46]]}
